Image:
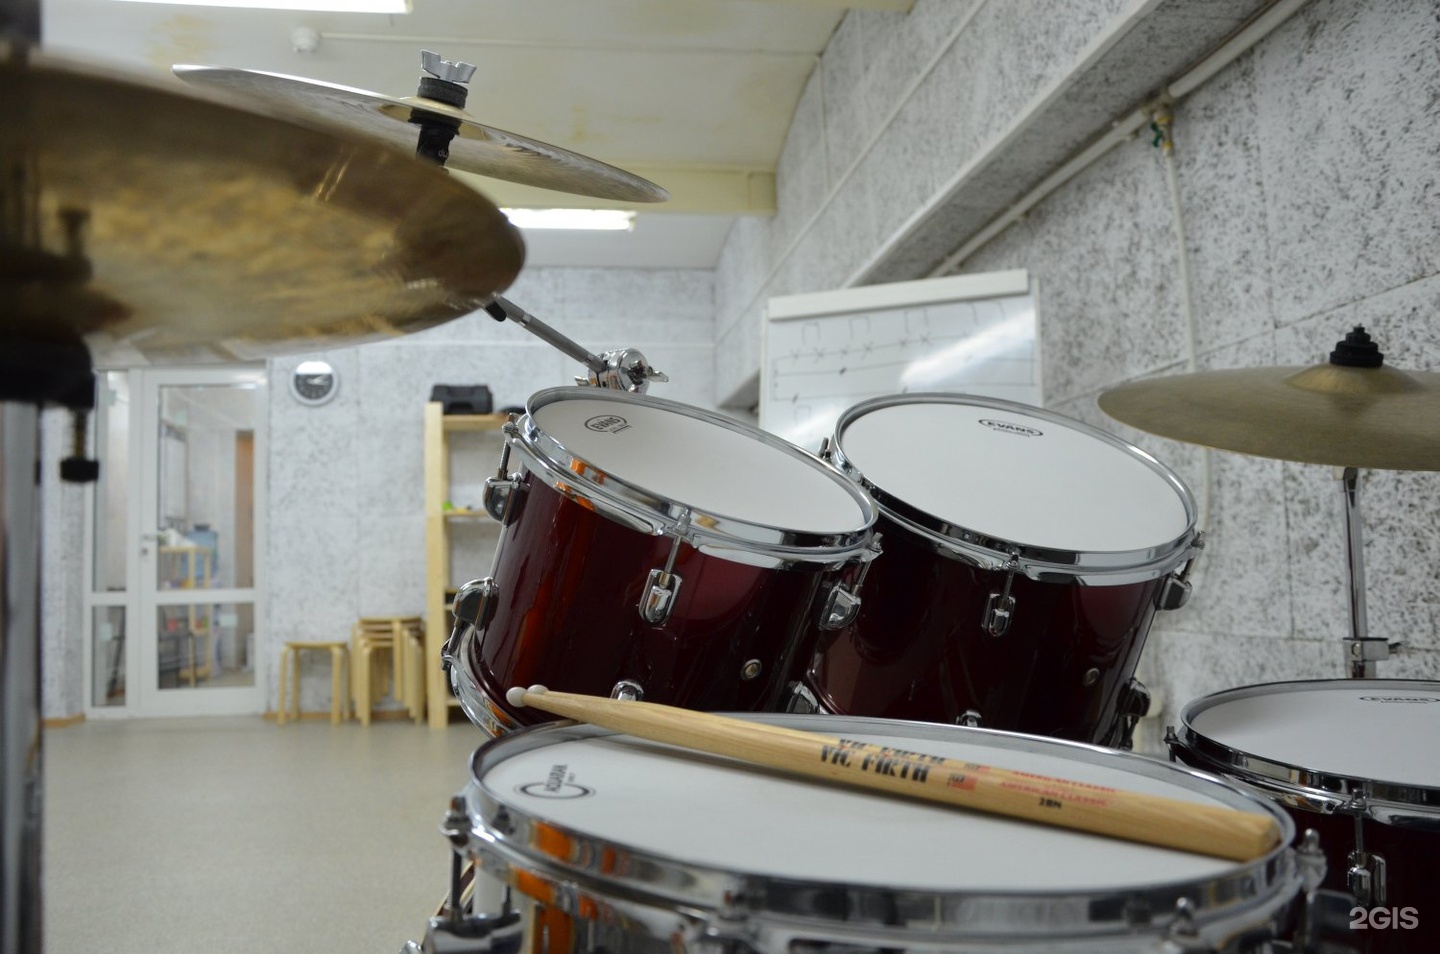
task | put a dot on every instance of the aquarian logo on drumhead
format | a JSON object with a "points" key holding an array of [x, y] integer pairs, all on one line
{"points": [[560, 783], [1005, 427], [608, 423], [1399, 699]]}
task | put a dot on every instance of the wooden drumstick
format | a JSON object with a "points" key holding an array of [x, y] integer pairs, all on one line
{"points": [[1151, 819]]}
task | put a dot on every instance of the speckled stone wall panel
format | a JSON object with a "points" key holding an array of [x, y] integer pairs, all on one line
{"points": [[1402, 321], [313, 463], [648, 307], [848, 128], [741, 272], [62, 509], [397, 380], [841, 239], [390, 566], [1104, 254], [1218, 172], [737, 356], [1349, 142], [313, 584]]}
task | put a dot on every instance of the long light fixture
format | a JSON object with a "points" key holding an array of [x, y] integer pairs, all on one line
{"points": [[324, 6], [613, 220]]}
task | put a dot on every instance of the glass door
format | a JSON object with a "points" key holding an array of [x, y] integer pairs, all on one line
{"points": [[180, 637]]}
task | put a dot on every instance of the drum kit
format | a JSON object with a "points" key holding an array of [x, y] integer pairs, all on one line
{"points": [[953, 575]]}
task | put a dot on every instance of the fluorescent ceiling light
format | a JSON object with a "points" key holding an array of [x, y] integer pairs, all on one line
{"points": [[614, 220], [326, 6]]}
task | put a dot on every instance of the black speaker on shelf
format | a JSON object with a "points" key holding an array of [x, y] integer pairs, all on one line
{"points": [[463, 398]]}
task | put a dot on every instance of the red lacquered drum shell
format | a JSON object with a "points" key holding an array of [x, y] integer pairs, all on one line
{"points": [[584, 532], [1331, 752], [916, 650], [981, 499]]}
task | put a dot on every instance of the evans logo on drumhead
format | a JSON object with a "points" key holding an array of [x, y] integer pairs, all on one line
{"points": [[558, 784], [1399, 699], [1005, 427], [608, 423]]}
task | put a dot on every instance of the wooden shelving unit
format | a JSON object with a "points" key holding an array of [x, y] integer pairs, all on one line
{"points": [[438, 520]]}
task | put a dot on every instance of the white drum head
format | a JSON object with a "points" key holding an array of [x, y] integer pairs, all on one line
{"points": [[717, 814], [1360, 729], [677, 455], [1016, 474]]}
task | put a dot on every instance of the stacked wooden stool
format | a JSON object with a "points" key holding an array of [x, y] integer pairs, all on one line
{"points": [[403, 637], [289, 703]]}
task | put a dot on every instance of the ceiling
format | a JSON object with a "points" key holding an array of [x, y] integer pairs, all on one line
{"points": [[695, 95]]}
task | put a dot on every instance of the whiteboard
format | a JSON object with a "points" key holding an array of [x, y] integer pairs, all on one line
{"points": [[825, 352]]}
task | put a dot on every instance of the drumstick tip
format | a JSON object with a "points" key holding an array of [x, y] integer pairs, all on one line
{"points": [[515, 695]]}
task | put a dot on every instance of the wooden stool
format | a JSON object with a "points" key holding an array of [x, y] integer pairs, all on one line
{"points": [[403, 637], [290, 678]]}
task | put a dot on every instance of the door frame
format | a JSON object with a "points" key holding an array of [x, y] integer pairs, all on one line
{"points": [[142, 597]]}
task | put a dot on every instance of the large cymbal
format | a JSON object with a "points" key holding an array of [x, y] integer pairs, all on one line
{"points": [[477, 148], [199, 229], [1368, 417]]}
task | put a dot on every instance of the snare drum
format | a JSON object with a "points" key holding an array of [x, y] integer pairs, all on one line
{"points": [[1024, 557], [611, 843], [653, 550], [1359, 761]]}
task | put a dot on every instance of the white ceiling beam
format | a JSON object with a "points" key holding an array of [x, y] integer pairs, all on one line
{"points": [[730, 191]]}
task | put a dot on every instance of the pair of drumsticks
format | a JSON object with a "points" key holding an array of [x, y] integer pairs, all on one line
{"points": [[1150, 819]]}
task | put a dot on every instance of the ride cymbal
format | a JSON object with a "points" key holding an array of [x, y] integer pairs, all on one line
{"points": [[1350, 412], [165, 225], [476, 148]]}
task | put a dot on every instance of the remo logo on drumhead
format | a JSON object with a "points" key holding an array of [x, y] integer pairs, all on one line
{"points": [[1005, 427], [607, 423], [560, 783]]}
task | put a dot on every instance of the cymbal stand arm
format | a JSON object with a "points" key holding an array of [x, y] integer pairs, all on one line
{"points": [[624, 369], [500, 309], [1361, 651]]}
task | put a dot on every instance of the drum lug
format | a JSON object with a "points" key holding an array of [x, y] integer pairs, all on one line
{"points": [[1366, 878], [661, 586], [629, 690], [1134, 704], [841, 608], [474, 605], [500, 494], [843, 603], [502, 491], [1000, 607], [659, 599], [970, 719], [801, 699], [1175, 591], [1183, 936]]}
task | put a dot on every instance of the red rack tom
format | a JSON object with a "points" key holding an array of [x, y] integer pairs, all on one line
{"points": [[653, 550], [1024, 557]]}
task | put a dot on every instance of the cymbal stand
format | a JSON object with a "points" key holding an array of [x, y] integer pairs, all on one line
{"points": [[1362, 651], [625, 369], [40, 363]]}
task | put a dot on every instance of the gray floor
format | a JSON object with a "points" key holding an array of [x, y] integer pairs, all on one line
{"points": [[232, 835]]}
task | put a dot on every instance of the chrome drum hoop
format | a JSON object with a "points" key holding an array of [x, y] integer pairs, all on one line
{"points": [[635, 506], [1297, 786], [670, 895], [1042, 564]]}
